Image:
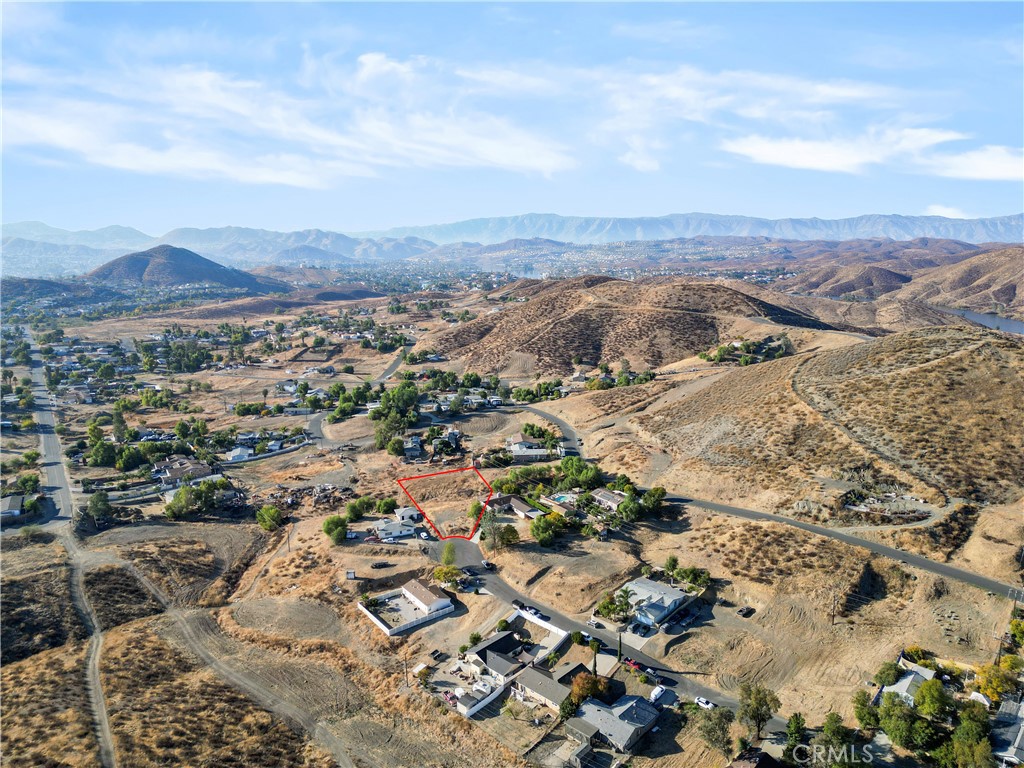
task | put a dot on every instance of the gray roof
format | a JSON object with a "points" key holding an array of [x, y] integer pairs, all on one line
{"points": [[623, 722], [1008, 731], [542, 684], [11, 503], [495, 652]]}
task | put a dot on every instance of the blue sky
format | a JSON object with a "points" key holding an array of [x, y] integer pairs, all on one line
{"points": [[357, 117]]}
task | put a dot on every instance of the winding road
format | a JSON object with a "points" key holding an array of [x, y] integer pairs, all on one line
{"points": [[917, 561]]}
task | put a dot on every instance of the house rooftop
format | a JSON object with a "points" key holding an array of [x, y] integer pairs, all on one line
{"points": [[423, 592], [543, 684]]}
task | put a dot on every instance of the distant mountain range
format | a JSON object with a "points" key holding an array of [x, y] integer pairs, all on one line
{"points": [[589, 229], [37, 250]]}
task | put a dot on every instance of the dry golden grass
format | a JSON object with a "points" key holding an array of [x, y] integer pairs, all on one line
{"points": [[46, 715], [118, 597], [165, 710], [182, 569], [934, 410], [36, 612]]}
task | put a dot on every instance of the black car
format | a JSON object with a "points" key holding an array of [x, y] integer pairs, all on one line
{"points": [[746, 612], [380, 564], [518, 604]]}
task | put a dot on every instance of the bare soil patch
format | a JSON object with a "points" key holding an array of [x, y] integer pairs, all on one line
{"points": [[118, 597]]}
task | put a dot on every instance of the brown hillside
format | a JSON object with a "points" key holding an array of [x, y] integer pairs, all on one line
{"points": [[935, 408], [604, 319], [167, 266], [863, 282], [986, 282]]}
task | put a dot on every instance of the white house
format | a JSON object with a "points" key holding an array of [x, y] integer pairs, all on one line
{"points": [[912, 679], [654, 602], [407, 515], [239, 453], [394, 530], [610, 500], [425, 597]]}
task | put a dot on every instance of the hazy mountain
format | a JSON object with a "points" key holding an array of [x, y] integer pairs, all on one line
{"points": [[112, 237], [32, 258], [167, 266], [586, 229], [308, 254]]}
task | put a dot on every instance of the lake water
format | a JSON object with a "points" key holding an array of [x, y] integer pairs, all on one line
{"points": [[989, 321]]}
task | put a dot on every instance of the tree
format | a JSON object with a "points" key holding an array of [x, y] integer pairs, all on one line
{"points": [[448, 554], [475, 638], [576, 638], [356, 510], [932, 701], [757, 705], [507, 536], [865, 712], [713, 728], [796, 732], [475, 509], [584, 686], [396, 446], [386, 507], [447, 574], [269, 517], [192, 500], [567, 709], [595, 646], [106, 372], [120, 426], [995, 682], [671, 563], [99, 506], [336, 527], [889, 673], [896, 718]]}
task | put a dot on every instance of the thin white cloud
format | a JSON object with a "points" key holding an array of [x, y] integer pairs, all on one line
{"points": [[988, 163], [947, 211], [844, 155], [667, 32]]}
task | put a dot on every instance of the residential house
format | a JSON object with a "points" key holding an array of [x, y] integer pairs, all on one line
{"points": [[427, 598], [526, 449], [912, 679], [536, 685], [514, 504], [275, 445], [621, 724], [497, 656], [240, 453], [413, 447], [393, 529], [407, 515], [610, 500], [11, 506], [1008, 733], [174, 470], [653, 602]]}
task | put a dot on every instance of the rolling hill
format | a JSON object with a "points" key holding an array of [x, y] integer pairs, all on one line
{"points": [[987, 282], [166, 266], [603, 319], [59, 292], [860, 282], [934, 409]]}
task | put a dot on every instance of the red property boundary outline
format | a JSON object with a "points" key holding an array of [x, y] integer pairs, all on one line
{"points": [[490, 493]]}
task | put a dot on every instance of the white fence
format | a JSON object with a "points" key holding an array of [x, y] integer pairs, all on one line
{"points": [[388, 629]]}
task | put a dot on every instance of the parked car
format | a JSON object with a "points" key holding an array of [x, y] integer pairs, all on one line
{"points": [[631, 664], [746, 611], [643, 630], [372, 538], [656, 694], [515, 603], [586, 637], [424, 535], [703, 703], [531, 610], [487, 564], [652, 674], [351, 535], [380, 564], [470, 571], [594, 624], [389, 540]]}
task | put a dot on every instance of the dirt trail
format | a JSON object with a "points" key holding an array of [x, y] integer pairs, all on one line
{"points": [[97, 700]]}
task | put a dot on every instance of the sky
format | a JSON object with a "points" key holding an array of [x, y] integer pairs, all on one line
{"points": [[354, 117]]}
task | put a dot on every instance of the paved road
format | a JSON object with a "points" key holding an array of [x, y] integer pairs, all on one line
{"points": [[925, 564], [55, 484], [685, 688]]}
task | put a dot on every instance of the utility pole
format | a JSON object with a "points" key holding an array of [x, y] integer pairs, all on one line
{"points": [[835, 599]]}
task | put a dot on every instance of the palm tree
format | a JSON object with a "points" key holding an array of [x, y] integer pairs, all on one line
{"points": [[622, 604]]}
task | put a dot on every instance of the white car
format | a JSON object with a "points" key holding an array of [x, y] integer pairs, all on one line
{"points": [[704, 703], [389, 540], [351, 535], [656, 694], [424, 535]]}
